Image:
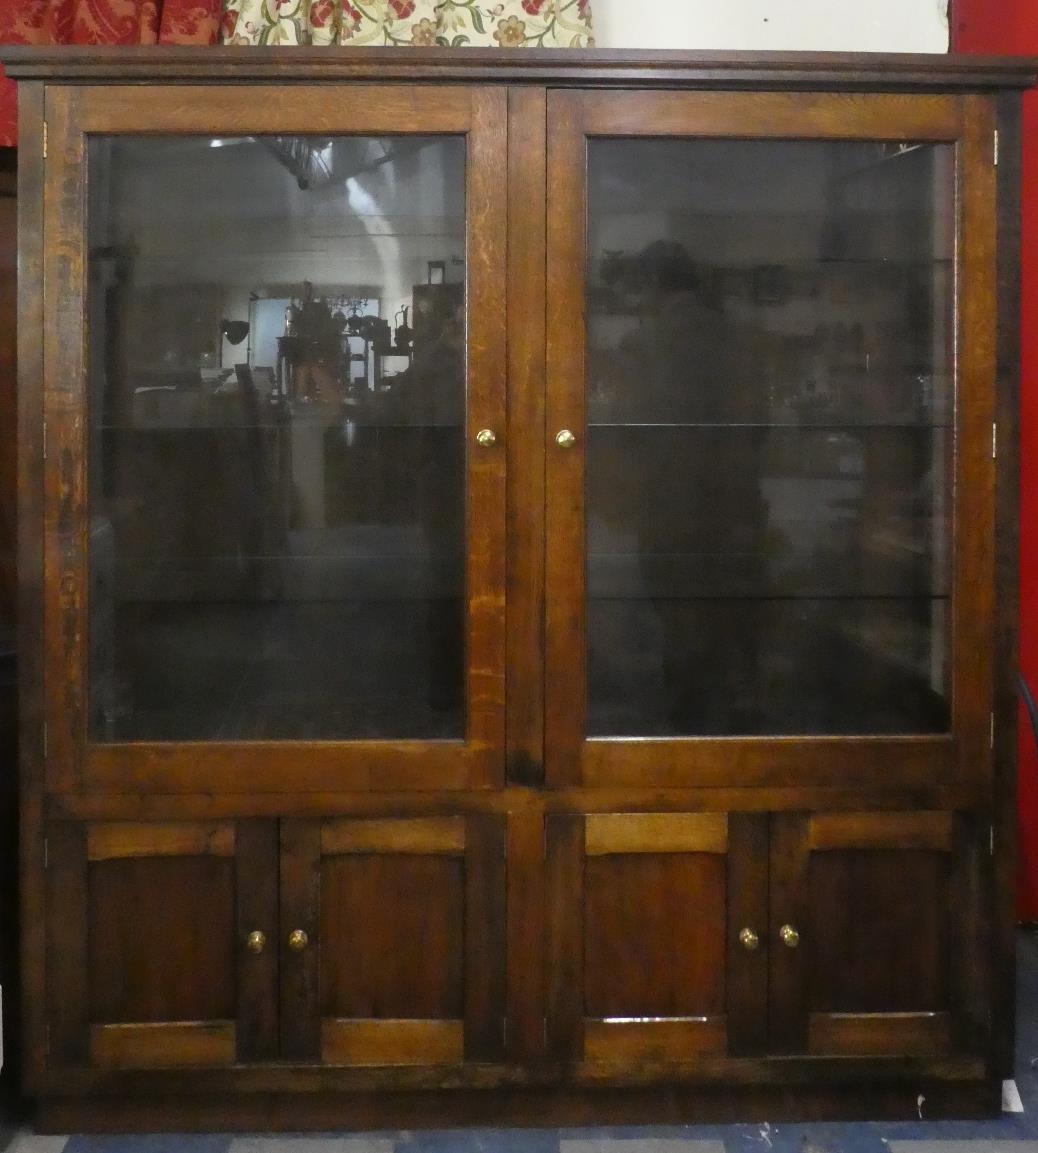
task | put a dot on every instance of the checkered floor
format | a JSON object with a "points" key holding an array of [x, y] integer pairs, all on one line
{"points": [[1013, 1132]]}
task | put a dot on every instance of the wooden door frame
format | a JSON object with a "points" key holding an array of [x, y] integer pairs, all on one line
{"points": [[73, 763], [962, 756]]}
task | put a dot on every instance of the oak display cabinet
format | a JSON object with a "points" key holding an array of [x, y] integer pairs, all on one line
{"points": [[517, 585]]}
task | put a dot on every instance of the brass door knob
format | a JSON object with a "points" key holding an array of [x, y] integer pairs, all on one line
{"points": [[486, 438], [565, 439], [256, 941], [298, 940], [790, 937], [749, 940]]}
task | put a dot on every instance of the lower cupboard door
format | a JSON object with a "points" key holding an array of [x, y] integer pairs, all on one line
{"points": [[656, 925], [150, 962], [393, 941], [877, 934]]}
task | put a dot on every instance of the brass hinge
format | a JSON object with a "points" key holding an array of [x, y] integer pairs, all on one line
{"points": [[45, 140], [995, 157], [44, 440], [994, 441]]}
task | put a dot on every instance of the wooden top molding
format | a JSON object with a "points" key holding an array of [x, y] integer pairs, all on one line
{"points": [[562, 66]]}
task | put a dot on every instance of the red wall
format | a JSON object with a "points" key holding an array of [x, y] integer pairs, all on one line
{"points": [[1011, 27]]}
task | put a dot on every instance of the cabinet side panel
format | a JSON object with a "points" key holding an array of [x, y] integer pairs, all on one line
{"points": [[1007, 586], [64, 470], [30, 571]]}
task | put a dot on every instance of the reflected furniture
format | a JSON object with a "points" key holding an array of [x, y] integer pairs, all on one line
{"points": [[610, 716]]}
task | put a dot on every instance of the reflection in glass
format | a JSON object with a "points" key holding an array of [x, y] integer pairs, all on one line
{"points": [[277, 399], [769, 455]]}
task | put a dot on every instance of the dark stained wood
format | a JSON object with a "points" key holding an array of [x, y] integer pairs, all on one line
{"points": [[773, 761], [739, 70], [660, 1041], [747, 969], [325, 767], [162, 1045], [161, 939], [875, 939], [195, 806], [788, 905], [33, 967], [388, 1042], [487, 223], [1002, 901], [391, 936], [973, 610], [565, 676], [974, 963], [485, 934], [564, 938], [702, 1071], [611, 833], [630, 876], [110, 842], [330, 1111], [919, 830], [300, 970], [655, 935], [65, 524], [918, 1034], [429, 835], [68, 975], [527, 291], [256, 872], [525, 907], [770, 115]]}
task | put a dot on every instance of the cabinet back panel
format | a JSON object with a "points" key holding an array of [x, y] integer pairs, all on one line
{"points": [[654, 935], [392, 936], [162, 939]]}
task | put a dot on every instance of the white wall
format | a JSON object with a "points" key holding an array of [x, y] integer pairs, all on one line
{"points": [[785, 25]]}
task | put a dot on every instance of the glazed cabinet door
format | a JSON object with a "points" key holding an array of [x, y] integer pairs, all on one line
{"points": [[656, 930], [275, 467], [160, 944], [878, 934], [769, 439], [393, 941]]}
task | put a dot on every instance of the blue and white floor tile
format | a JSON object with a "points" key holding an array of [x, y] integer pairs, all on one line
{"points": [[1013, 1132]]}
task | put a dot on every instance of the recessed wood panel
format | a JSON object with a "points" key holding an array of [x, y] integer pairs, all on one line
{"points": [[882, 831], [654, 1041], [107, 842], [892, 1034], [878, 931], [166, 1045], [392, 936], [606, 833], [655, 935], [388, 1042], [161, 939], [422, 836]]}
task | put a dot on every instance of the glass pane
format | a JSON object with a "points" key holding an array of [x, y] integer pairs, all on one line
{"points": [[277, 451], [770, 399]]}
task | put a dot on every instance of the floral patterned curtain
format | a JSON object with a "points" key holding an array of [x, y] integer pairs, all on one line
{"points": [[449, 23], [99, 22]]}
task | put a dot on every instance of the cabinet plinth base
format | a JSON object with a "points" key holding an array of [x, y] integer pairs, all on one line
{"points": [[281, 1112]]}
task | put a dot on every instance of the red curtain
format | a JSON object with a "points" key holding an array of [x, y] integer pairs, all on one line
{"points": [[99, 22]]}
